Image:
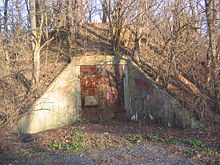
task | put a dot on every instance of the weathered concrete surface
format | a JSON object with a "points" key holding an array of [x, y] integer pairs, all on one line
{"points": [[151, 104], [58, 106], [99, 60], [143, 100]]}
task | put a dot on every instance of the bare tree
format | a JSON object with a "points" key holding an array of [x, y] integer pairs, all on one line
{"points": [[141, 23], [118, 14], [104, 10], [36, 34], [6, 15], [213, 78], [38, 28]]}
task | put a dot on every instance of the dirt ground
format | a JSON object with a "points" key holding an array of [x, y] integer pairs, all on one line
{"points": [[111, 142]]}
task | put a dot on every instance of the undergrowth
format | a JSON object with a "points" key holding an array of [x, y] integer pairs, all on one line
{"points": [[195, 146], [80, 141]]}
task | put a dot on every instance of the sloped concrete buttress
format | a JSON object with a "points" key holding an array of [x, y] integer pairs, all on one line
{"points": [[151, 104], [59, 105]]}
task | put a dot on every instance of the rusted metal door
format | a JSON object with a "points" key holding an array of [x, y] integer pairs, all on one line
{"points": [[102, 93]]}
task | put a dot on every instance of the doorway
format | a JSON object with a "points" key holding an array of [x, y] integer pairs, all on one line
{"points": [[102, 91]]}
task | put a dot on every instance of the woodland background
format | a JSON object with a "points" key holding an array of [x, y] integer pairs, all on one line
{"points": [[176, 42]]}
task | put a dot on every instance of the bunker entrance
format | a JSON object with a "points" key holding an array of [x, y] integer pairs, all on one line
{"points": [[102, 91]]}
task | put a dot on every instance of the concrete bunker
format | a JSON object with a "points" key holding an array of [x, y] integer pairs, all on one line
{"points": [[103, 87]]}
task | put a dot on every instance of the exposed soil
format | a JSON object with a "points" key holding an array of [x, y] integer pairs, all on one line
{"points": [[34, 148]]}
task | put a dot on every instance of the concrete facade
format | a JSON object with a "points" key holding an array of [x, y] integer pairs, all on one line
{"points": [[58, 106], [143, 100], [151, 104]]}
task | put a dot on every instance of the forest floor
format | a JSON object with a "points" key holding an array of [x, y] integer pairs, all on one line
{"points": [[113, 142]]}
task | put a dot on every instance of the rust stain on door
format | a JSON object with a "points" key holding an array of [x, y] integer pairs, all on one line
{"points": [[102, 93]]}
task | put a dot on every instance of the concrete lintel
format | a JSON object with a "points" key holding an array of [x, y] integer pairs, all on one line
{"points": [[99, 60]]}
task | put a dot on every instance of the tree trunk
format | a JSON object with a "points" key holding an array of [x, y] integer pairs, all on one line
{"points": [[104, 11], [116, 24], [6, 15], [137, 44], [28, 13], [211, 17], [195, 20], [78, 12], [141, 22], [35, 42], [69, 15]]}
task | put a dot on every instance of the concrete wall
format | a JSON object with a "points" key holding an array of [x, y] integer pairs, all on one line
{"points": [[99, 60], [151, 104], [59, 105]]}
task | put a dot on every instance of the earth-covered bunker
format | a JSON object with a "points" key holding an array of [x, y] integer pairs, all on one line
{"points": [[103, 87]]}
